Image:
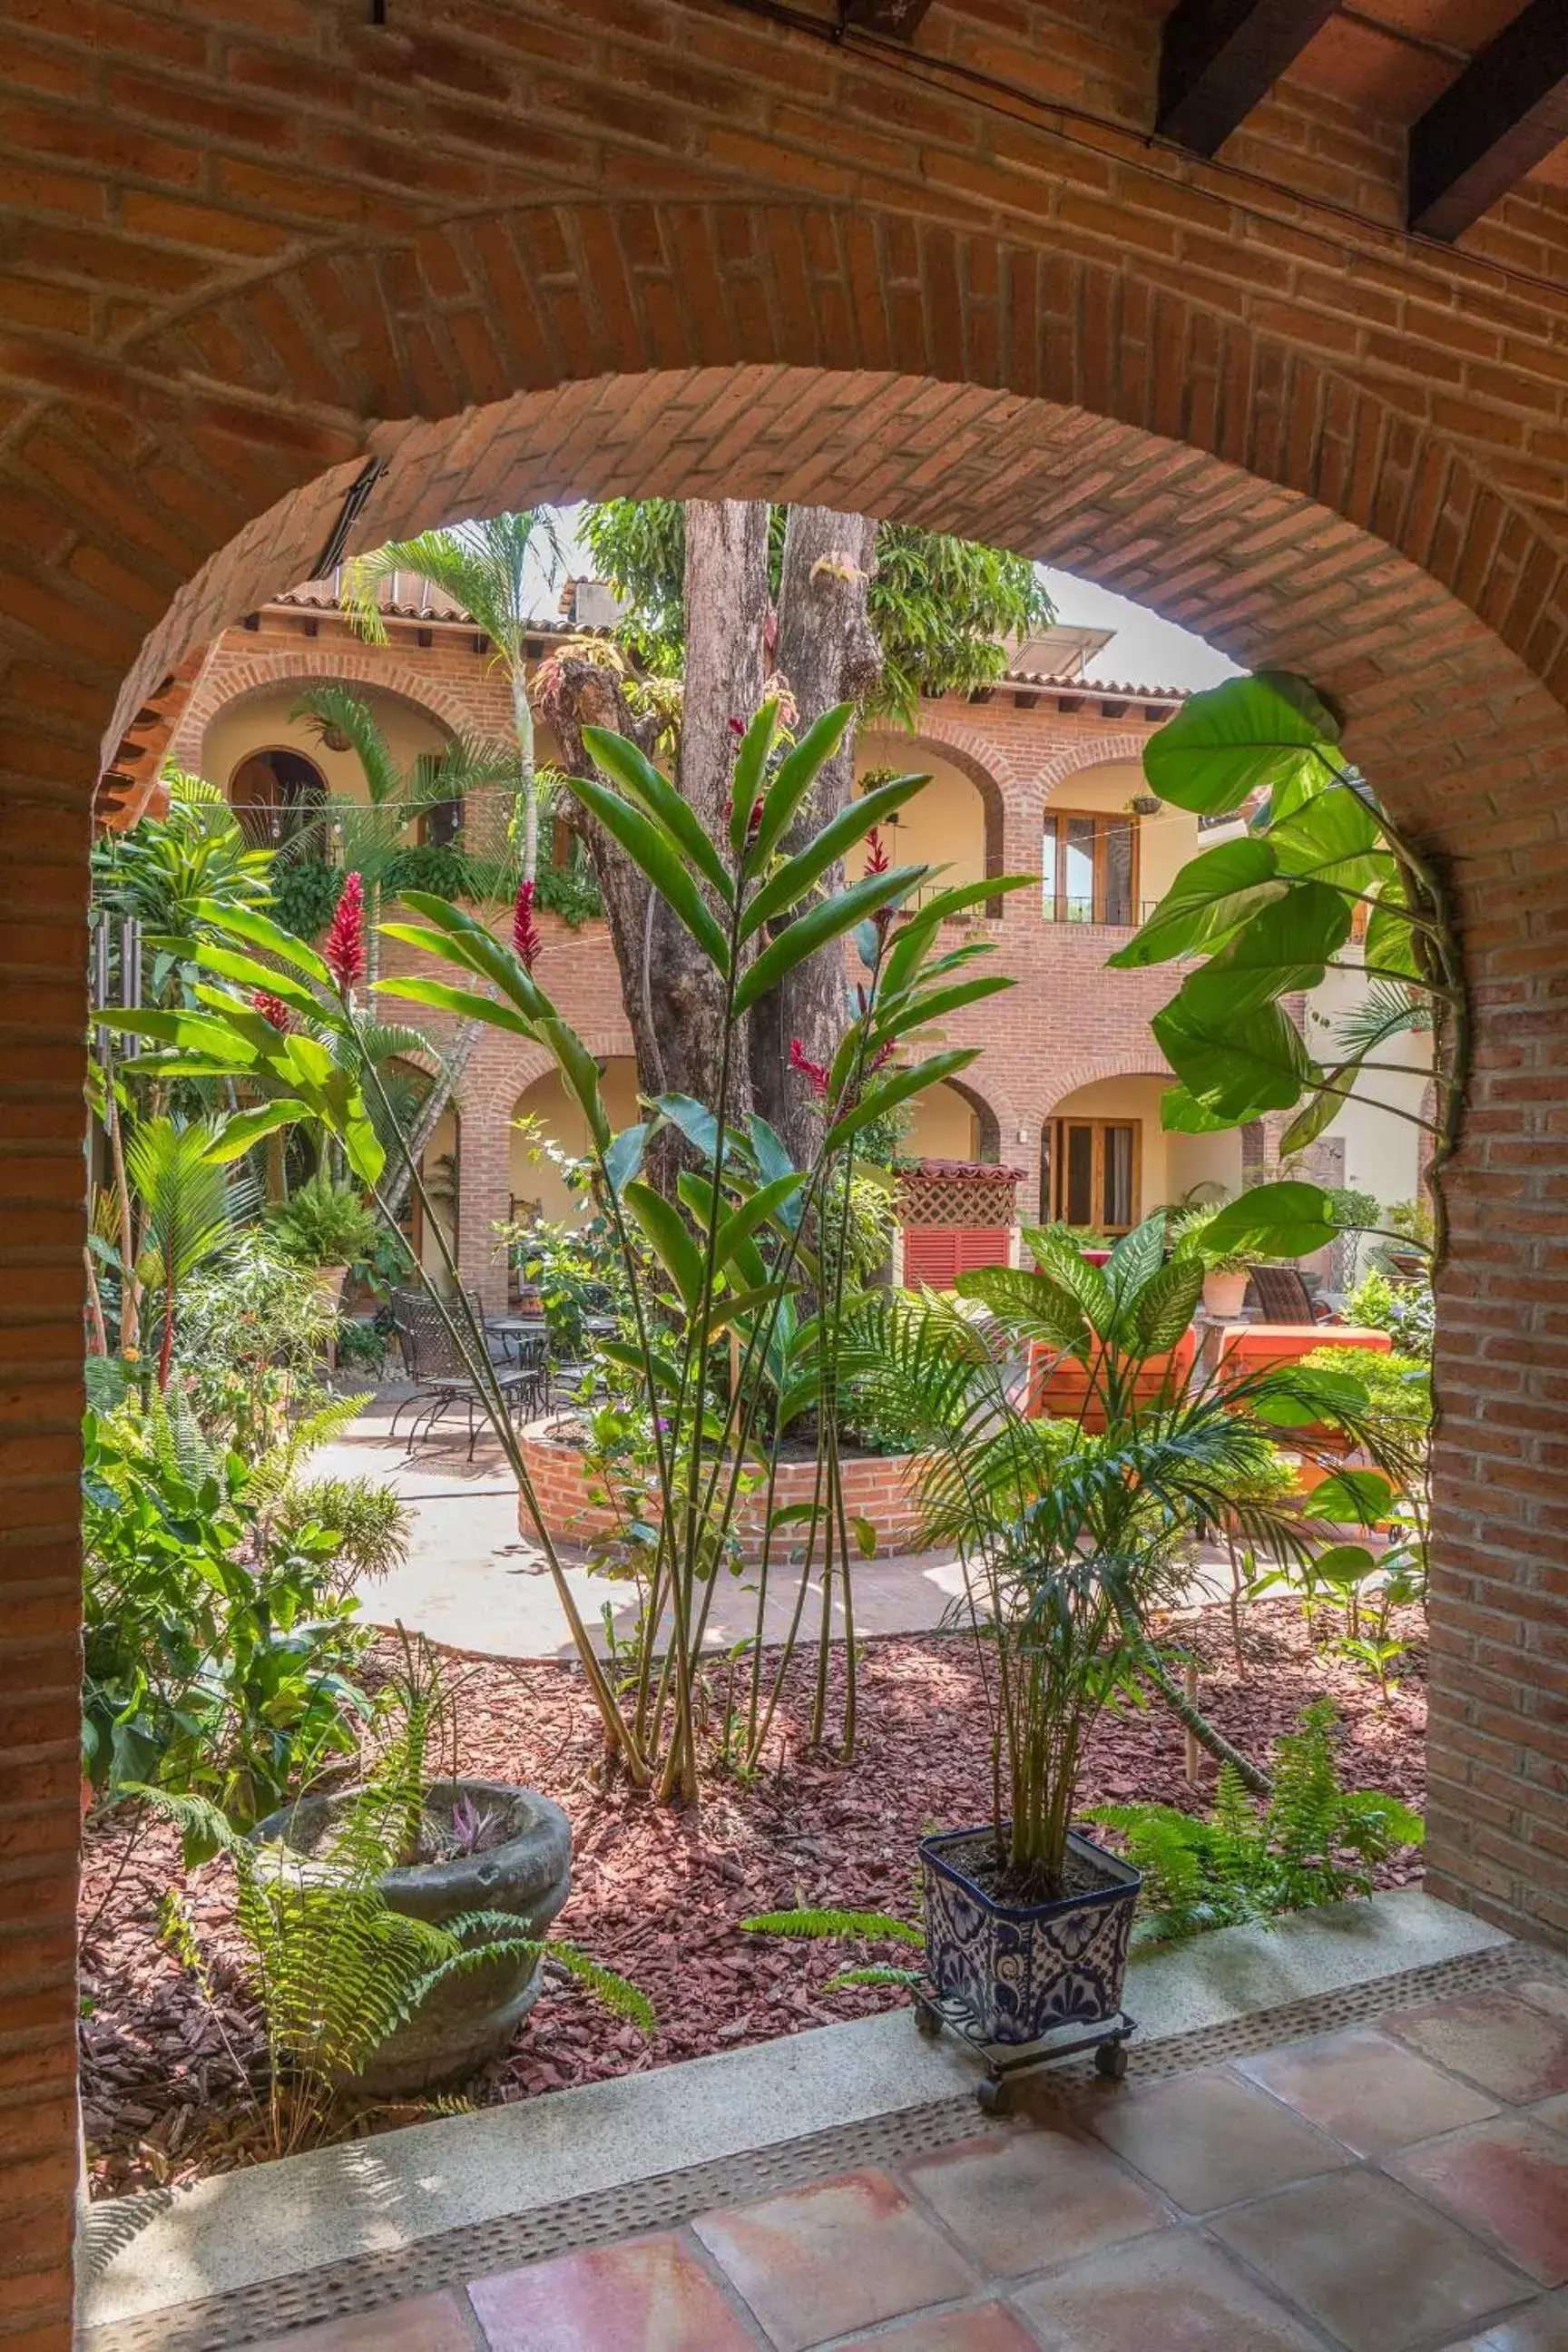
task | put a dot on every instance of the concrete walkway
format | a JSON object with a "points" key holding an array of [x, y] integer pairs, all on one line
{"points": [[474, 1583]]}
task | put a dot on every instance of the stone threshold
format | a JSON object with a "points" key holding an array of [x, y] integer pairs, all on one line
{"points": [[368, 2219]]}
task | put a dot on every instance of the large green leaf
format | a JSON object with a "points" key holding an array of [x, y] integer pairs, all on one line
{"points": [[1236, 1069], [795, 876], [581, 1072], [1390, 945], [466, 1003], [797, 772], [1248, 735], [1283, 948], [245, 1128], [631, 769], [1289, 1218], [918, 1011], [756, 1209], [1164, 1307], [244, 923], [1332, 836], [624, 1159], [1364, 1496], [669, 1237], [1319, 1111], [886, 1093], [692, 1120], [252, 975], [216, 1040], [1214, 893], [1181, 1115], [1034, 1303], [827, 920], [654, 854]]}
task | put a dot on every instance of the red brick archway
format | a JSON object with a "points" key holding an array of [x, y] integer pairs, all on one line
{"points": [[1331, 448]]}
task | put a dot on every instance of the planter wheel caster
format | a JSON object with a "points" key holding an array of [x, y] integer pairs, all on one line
{"points": [[1111, 2060], [993, 2095], [928, 2018]]}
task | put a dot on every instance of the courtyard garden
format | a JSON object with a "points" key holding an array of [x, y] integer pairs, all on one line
{"points": [[337, 1879]]}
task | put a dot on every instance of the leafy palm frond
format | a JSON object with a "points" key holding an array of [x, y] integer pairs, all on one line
{"points": [[1388, 1010], [483, 566]]}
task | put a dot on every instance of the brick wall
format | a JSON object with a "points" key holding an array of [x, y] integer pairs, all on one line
{"points": [[658, 245]]}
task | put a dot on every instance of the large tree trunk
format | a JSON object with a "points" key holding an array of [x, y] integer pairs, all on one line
{"points": [[829, 653]]}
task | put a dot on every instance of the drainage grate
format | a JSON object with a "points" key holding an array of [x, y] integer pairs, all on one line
{"points": [[364, 2280]]}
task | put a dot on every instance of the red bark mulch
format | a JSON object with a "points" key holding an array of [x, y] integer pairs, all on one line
{"points": [[659, 1894]]}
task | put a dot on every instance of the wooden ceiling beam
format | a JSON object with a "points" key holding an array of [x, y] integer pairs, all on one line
{"points": [[1218, 57], [1505, 114], [896, 19]]}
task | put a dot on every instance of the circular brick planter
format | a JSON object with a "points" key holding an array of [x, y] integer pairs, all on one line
{"points": [[878, 1488]]}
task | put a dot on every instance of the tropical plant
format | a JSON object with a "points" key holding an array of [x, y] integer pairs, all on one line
{"points": [[323, 1224], [369, 1524], [189, 1213], [812, 1925], [486, 568], [1404, 1309], [1313, 1842], [1189, 1230], [1068, 1547], [334, 1967], [161, 869], [219, 1652], [251, 1342], [1269, 914], [943, 609], [738, 1240]]}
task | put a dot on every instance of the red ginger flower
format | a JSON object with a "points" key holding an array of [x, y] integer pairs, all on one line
{"points": [[525, 934], [344, 947], [800, 1060], [876, 858], [271, 1008]]}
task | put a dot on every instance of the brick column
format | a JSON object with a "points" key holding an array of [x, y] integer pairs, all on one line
{"points": [[484, 1196], [43, 893]]}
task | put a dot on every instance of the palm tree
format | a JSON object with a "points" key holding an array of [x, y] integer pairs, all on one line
{"points": [[483, 566], [189, 1211]]}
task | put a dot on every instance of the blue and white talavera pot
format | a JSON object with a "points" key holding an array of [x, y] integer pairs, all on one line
{"points": [[1024, 1969]]}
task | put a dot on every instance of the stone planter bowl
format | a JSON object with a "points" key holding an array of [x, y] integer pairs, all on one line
{"points": [[473, 2018]]}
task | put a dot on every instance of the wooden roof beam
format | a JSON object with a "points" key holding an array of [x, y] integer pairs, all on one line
{"points": [[1218, 57], [1505, 114]]}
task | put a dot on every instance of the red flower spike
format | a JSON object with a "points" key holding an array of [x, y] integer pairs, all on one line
{"points": [[272, 1008], [342, 950], [525, 934], [876, 858], [800, 1060]]}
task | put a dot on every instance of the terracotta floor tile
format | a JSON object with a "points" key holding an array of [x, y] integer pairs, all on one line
{"points": [[1507, 2180], [1021, 2199], [1368, 2091], [430, 2323], [1552, 2113], [1542, 2328], [1551, 1995], [984, 2327], [842, 2254], [1512, 2047], [650, 2296], [1206, 2140], [1367, 2260], [1171, 2293]]}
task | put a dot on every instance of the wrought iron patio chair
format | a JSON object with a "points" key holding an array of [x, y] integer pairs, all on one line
{"points": [[441, 1378]]}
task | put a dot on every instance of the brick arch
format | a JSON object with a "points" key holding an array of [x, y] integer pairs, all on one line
{"points": [[356, 665], [1136, 1063], [990, 774], [1074, 757]]}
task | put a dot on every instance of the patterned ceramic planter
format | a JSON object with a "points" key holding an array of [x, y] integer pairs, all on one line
{"points": [[1026, 1968]]}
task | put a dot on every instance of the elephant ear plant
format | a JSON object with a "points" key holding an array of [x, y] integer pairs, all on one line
{"points": [[1271, 912], [738, 1242]]}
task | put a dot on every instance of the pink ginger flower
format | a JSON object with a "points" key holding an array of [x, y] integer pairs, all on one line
{"points": [[525, 934], [800, 1060], [272, 1008], [344, 947]]}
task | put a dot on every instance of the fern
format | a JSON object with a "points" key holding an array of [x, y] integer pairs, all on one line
{"points": [[371, 1524], [334, 1968], [1241, 1863], [874, 1976], [808, 1922]]}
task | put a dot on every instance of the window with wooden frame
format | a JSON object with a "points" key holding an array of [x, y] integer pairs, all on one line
{"points": [[1093, 1172], [1088, 868]]}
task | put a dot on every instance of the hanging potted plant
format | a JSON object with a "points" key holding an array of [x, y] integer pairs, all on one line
{"points": [[1145, 804]]}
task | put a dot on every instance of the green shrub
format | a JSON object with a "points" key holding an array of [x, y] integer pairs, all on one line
{"points": [[219, 1653], [1405, 1310], [1311, 1842], [305, 893], [323, 1224]]}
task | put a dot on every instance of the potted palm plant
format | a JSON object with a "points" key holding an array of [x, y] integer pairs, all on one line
{"points": [[1069, 1539], [1227, 1272]]}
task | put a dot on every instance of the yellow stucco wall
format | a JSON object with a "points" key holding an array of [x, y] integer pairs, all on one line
{"points": [[1169, 1165], [261, 723], [944, 824], [533, 1177], [1165, 841], [944, 1127]]}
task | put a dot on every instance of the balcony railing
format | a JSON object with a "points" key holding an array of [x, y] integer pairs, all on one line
{"points": [[1090, 911]]}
